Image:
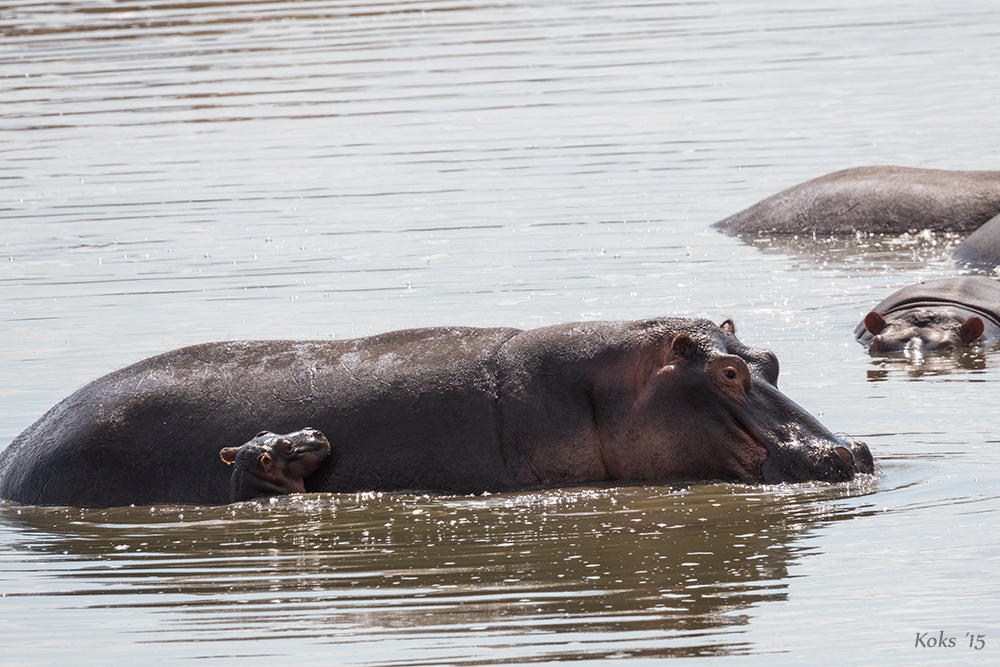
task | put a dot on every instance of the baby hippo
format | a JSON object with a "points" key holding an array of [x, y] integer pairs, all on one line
{"points": [[274, 465]]}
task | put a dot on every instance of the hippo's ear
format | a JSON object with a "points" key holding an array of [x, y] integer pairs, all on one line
{"points": [[265, 462], [228, 455], [971, 330], [729, 327], [683, 346], [874, 323]]}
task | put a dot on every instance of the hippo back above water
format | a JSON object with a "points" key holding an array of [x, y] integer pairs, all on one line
{"points": [[452, 410], [981, 249], [879, 200]]}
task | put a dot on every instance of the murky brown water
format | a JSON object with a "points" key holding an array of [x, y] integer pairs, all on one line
{"points": [[172, 173], [578, 573]]}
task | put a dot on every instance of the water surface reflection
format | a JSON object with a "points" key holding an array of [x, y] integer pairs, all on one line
{"points": [[595, 572], [864, 254]]}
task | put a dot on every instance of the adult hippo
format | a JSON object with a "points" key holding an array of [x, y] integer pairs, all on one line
{"points": [[881, 200], [981, 250], [934, 315], [274, 465], [453, 410]]}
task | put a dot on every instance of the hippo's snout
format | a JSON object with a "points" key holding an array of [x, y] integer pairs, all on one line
{"points": [[855, 456], [864, 462], [830, 459], [311, 440], [799, 447]]}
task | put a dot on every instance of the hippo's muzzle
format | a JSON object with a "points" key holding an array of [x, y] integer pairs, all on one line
{"points": [[837, 461], [799, 448]]}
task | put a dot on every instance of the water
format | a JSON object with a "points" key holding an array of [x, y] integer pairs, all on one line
{"points": [[175, 173]]}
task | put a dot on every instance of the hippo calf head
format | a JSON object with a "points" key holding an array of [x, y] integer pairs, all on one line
{"points": [[922, 329], [271, 465], [713, 411]]}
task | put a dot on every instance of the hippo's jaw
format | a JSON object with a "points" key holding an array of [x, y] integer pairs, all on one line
{"points": [[750, 454], [776, 459]]}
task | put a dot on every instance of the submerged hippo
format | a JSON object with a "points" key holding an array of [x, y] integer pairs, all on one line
{"points": [[934, 315], [453, 410], [273, 465], [981, 250], [881, 200]]}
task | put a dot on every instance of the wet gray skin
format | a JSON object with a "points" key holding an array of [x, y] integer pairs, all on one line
{"points": [[878, 200], [981, 250]]}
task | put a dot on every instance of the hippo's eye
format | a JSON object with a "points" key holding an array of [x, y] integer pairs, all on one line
{"points": [[731, 375], [262, 433]]}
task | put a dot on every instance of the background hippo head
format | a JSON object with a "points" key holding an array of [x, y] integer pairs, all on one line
{"points": [[717, 402], [270, 464], [934, 315], [922, 329]]}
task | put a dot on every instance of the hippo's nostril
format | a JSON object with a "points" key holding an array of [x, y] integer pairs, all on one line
{"points": [[845, 454]]}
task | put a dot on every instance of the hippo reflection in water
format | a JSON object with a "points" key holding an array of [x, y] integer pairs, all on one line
{"points": [[450, 410]]}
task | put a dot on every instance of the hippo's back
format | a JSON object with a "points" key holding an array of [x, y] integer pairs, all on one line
{"points": [[877, 199], [981, 250], [151, 432]]}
